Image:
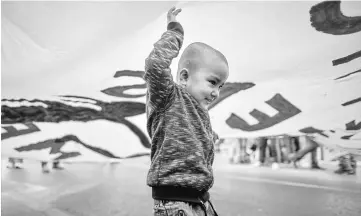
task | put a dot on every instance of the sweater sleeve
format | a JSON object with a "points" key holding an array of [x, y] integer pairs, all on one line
{"points": [[158, 75]]}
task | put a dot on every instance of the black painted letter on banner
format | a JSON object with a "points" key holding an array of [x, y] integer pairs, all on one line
{"points": [[11, 131], [285, 110]]}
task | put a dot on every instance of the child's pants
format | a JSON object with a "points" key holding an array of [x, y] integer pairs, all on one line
{"points": [[179, 208]]}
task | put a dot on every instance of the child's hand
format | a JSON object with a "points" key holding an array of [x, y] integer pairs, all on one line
{"points": [[172, 13]]}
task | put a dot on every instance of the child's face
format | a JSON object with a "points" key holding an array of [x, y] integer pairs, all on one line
{"points": [[204, 85]]}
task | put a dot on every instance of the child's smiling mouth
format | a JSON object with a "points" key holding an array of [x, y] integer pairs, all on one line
{"points": [[208, 101]]}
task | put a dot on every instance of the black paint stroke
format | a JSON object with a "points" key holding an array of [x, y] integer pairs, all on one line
{"points": [[11, 131], [346, 59], [56, 112], [347, 137], [56, 145], [138, 155], [312, 130], [118, 91], [353, 126], [229, 89], [349, 126], [328, 18], [130, 73], [285, 110], [349, 74], [352, 101]]}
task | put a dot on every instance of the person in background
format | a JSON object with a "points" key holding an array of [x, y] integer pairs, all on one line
{"points": [[261, 143], [251, 151], [15, 163], [347, 165], [296, 147], [271, 143], [310, 147]]}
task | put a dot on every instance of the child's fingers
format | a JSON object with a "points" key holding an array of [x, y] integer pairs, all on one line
{"points": [[177, 12], [171, 10]]}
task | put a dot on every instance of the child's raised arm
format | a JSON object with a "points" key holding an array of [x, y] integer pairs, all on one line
{"points": [[157, 66]]}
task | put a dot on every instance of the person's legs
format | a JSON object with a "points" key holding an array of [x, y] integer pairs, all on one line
{"points": [[272, 142], [346, 165], [14, 163], [262, 145], [314, 161], [251, 151], [11, 163], [45, 167], [285, 148], [309, 147], [341, 165], [353, 163], [272, 147], [57, 165], [295, 145], [350, 169]]}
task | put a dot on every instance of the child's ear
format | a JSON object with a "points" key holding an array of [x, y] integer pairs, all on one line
{"points": [[183, 75]]}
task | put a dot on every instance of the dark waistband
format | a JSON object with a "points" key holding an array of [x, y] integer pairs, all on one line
{"points": [[180, 194]]}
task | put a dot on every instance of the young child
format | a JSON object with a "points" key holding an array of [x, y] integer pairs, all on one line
{"points": [[178, 123]]}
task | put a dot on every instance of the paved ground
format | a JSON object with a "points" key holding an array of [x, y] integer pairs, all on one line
{"points": [[119, 189]]}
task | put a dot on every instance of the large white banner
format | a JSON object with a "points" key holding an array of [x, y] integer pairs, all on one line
{"points": [[72, 86]]}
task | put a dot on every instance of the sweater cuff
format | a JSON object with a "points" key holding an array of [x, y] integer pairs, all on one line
{"points": [[175, 26]]}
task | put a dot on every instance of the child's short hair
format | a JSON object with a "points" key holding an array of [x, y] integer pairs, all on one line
{"points": [[194, 54]]}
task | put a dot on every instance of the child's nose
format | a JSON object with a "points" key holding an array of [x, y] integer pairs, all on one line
{"points": [[215, 94]]}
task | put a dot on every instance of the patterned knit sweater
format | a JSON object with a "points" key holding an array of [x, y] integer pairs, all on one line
{"points": [[182, 138]]}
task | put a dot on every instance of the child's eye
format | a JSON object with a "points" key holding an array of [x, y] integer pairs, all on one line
{"points": [[212, 82]]}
